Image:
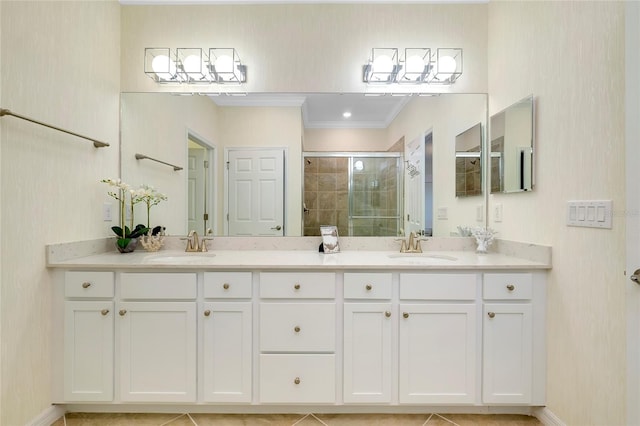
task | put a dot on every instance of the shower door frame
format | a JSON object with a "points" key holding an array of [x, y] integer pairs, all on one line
{"points": [[363, 154]]}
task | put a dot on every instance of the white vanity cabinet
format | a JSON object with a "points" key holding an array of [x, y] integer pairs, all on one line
{"points": [[157, 337], [509, 344], [226, 323], [368, 344], [438, 338], [297, 337], [88, 336]]}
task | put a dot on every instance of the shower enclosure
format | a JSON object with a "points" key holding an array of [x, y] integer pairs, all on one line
{"points": [[360, 193]]}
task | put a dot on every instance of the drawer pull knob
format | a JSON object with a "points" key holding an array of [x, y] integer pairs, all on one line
{"points": [[122, 312], [511, 287], [296, 380], [296, 286], [405, 315], [387, 314], [104, 312], [86, 285], [207, 313], [368, 287], [225, 286], [297, 329], [491, 314]]}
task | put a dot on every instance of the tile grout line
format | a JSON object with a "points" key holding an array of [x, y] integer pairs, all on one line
{"points": [[172, 420], [447, 420], [307, 415], [428, 418], [192, 420]]}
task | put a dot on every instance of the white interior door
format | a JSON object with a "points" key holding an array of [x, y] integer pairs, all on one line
{"points": [[196, 198], [256, 192]]}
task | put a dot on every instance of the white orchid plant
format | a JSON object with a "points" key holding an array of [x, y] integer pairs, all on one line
{"points": [[125, 195]]}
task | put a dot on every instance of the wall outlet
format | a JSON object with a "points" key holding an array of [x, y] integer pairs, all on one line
{"points": [[443, 213], [106, 212], [479, 213], [497, 213]]}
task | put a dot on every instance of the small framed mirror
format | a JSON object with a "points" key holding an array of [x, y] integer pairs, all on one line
{"points": [[512, 135], [469, 162]]}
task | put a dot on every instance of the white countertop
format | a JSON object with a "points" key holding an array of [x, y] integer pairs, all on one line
{"points": [[299, 259]]}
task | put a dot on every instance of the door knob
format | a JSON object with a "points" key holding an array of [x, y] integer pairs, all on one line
{"points": [[277, 228], [636, 276]]}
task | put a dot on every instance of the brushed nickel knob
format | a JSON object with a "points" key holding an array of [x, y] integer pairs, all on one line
{"points": [[511, 287], [86, 285], [368, 287], [207, 313], [296, 286], [296, 380], [296, 329], [122, 312], [104, 312], [225, 286], [405, 315], [491, 314], [387, 314]]}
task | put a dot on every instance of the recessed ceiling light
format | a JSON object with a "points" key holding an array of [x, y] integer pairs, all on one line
{"points": [[346, 114]]}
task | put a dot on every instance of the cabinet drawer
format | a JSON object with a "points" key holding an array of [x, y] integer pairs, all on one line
{"points": [[367, 285], [83, 284], [438, 286], [297, 327], [298, 285], [227, 285], [158, 285], [508, 286], [286, 378]]}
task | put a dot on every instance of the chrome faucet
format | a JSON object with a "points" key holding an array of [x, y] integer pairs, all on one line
{"points": [[411, 246]]}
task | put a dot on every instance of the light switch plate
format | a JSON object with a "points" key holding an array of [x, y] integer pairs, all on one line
{"points": [[590, 214], [443, 213], [106, 212], [497, 213]]}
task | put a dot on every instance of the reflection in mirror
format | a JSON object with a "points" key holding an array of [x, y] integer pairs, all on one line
{"points": [[469, 162], [360, 193], [512, 133], [420, 128]]}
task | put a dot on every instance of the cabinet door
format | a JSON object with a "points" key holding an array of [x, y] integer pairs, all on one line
{"points": [[88, 351], [157, 351], [508, 356], [437, 353], [227, 352], [367, 352]]}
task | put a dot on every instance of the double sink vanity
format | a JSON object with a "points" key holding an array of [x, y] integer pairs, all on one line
{"points": [[271, 325]]}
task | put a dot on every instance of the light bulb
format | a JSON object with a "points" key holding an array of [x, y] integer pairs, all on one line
{"points": [[446, 67], [415, 64], [194, 66], [164, 67], [346, 114], [224, 65], [382, 67]]}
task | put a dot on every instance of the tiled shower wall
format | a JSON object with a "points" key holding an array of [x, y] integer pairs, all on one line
{"points": [[375, 196]]}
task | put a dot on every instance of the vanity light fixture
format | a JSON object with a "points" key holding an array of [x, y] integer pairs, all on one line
{"points": [[417, 66], [194, 66]]}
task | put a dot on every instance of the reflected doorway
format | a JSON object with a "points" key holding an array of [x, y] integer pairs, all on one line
{"points": [[200, 185]]}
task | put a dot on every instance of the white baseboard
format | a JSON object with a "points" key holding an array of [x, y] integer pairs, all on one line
{"points": [[48, 416], [547, 417]]}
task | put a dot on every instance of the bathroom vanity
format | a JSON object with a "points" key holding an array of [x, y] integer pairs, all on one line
{"points": [[296, 330]]}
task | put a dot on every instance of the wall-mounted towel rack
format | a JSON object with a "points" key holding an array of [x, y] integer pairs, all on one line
{"points": [[143, 157], [96, 143]]}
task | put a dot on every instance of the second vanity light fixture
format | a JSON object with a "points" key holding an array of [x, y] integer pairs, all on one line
{"points": [[194, 66], [417, 66]]}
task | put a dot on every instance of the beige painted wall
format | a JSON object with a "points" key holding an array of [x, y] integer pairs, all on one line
{"points": [[305, 47], [570, 55], [269, 127], [60, 64], [157, 125], [345, 140], [445, 116]]}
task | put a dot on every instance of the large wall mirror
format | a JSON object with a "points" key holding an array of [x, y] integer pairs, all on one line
{"points": [[226, 145], [512, 135]]}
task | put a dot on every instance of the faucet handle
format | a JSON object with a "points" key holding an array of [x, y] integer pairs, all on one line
{"points": [[403, 245]]}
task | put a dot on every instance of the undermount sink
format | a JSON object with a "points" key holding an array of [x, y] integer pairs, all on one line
{"points": [[180, 257], [419, 258]]}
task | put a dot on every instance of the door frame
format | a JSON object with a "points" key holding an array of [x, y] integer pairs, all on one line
{"points": [[632, 208], [225, 168], [212, 180]]}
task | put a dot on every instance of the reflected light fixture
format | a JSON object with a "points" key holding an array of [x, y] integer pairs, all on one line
{"points": [[194, 66], [417, 66]]}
